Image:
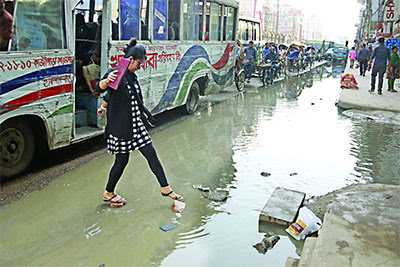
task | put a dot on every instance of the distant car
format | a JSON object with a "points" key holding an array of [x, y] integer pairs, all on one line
{"points": [[340, 53]]}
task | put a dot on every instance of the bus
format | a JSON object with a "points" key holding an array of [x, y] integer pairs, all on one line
{"points": [[59, 49], [249, 30], [316, 44]]}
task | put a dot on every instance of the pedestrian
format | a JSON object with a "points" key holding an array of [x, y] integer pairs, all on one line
{"points": [[353, 57], [363, 56], [380, 56], [393, 69], [251, 58], [6, 27], [125, 129]]}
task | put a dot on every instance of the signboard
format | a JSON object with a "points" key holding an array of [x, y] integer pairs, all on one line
{"points": [[392, 42], [386, 29], [391, 11], [129, 19]]}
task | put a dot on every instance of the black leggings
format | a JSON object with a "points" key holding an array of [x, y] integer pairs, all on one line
{"points": [[121, 160]]}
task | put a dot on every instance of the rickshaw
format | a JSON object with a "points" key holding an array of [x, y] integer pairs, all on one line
{"points": [[309, 56], [240, 75], [293, 56], [266, 68]]}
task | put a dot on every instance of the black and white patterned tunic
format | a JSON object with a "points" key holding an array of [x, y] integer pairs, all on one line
{"points": [[141, 137]]}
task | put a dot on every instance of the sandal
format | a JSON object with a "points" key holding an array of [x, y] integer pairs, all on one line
{"points": [[177, 197], [118, 202]]}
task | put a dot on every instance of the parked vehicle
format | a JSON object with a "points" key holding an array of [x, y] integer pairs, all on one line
{"points": [[340, 54], [46, 91], [328, 54]]}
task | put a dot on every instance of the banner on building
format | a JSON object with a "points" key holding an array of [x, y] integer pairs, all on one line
{"points": [[391, 11]]}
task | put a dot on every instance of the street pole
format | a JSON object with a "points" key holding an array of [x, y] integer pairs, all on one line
{"points": [[277, 16], [91, 10]]}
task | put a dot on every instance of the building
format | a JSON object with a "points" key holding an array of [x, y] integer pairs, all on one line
{"points": [[270, 19], [312, 29], [378, 18], [290, 23], [246, 8]]}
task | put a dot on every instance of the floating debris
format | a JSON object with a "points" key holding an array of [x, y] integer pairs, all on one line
{"points": [[217, 196], [293, 174], [201, 188], [265, 174], [269, 241], [178, 206], [92, 231], [168, 227]]}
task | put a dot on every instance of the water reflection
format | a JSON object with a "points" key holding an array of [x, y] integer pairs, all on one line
{"points": [[377, 149]]}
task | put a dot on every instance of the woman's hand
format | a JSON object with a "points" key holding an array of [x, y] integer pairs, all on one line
{"points": [[112, 76], [101, 112]]}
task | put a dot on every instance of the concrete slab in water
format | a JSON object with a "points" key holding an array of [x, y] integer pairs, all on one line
{"points": [[282, 207]]}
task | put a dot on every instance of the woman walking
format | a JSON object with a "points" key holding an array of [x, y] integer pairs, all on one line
{"points": [[125, 129], [353, 57], [393, 69]]}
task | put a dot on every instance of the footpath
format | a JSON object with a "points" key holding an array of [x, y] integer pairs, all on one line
{"points": [[361, 99], [361, 227]]}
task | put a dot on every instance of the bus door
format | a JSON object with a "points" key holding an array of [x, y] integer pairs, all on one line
{"points": [[89, 24]]}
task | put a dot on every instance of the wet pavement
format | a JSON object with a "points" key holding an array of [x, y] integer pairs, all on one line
{"points": [[290, 127]]}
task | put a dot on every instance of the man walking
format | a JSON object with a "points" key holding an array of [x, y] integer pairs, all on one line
{"points": [[381, 54], [251, 57], [363, 57]]}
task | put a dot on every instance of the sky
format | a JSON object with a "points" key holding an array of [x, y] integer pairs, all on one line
{"points": [[338, 17]]}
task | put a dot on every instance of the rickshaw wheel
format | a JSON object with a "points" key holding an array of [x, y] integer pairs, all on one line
{"points": [[240, 81]]}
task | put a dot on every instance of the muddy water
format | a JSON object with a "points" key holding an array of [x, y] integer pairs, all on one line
{"points": [[291, 127]]}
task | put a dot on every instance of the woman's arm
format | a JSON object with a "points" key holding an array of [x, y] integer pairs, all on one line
{"points": [[111, 77]]}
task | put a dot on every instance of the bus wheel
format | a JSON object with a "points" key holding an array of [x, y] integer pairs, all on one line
{"points": [[17, 146], [193, 98]]}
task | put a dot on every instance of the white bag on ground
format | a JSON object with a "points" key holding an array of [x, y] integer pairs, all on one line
{"points": [[306, 224]]}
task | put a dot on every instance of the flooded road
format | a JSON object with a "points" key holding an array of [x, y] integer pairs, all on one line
{"points": [[291, 129]]}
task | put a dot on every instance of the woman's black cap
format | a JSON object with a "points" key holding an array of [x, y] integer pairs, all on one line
{"points": [[138, 52]]}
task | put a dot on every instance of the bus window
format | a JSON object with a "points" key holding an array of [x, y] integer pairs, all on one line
{"points": [[249, 31], [7, 20], [159, 20], [257, 32], [213, 22], [229, 20], [201, 4], [242, 30], [190, 20], [129, 19], [174, 7], [38, 25]]}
